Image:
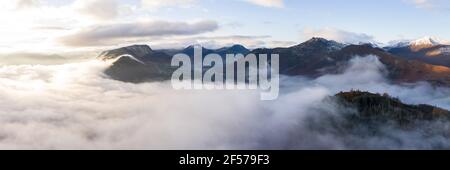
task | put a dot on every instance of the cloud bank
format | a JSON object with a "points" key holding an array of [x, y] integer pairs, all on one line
{"points": [[104, 34], [75, 106]]}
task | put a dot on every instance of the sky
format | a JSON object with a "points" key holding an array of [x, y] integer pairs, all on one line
{"points": [[57, 26]]}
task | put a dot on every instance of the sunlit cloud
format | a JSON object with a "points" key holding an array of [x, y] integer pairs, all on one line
{"points": [[104, 34], [22, 4], [97, 9]]}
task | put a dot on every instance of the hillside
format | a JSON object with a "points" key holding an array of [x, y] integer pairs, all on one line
{"points": [[372, 107]]}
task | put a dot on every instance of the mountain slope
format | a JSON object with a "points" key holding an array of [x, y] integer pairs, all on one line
{"points": [[305, 58]]}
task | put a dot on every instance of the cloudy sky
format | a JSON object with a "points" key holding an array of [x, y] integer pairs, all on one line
{"points": [[76, 25]]}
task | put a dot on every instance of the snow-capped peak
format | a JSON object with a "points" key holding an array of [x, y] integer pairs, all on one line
{"points": [[427, 41], [129, 56]]}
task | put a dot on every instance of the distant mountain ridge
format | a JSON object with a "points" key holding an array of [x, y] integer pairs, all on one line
{"points": [[318, 57], [234, 49], [426, 42], [428, 49], [313, 58]]}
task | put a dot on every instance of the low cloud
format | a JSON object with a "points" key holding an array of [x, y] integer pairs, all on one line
{"points": [[338, 35], [106, 34], [75, 106]]}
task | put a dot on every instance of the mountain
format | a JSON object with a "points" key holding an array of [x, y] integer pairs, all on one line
{"points": [[235, 49], [428, 49], [425, 42], [190, 51], [137, 63]]}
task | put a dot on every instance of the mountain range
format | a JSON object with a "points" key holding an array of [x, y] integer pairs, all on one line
{"points": [[425, 59]]}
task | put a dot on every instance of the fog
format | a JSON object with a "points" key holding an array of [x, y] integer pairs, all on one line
{"points": [[76, 106]]}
